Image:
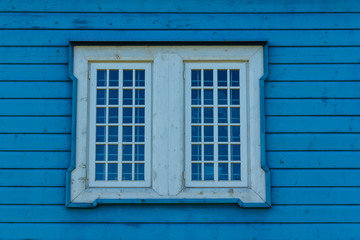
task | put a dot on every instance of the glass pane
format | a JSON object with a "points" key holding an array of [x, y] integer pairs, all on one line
{"points": [[127, 134], [139, 152], [112, 172], [234, 78], [209, 152], [208, 97], [208, 115], [100, 134], [235, 171], [195, 78], [139, 171], [196, 97], [196, 134], [235, 115], [140, 78], [222, 115], [101, 97], [113, 134], [223, 133], [127, 78], [208, 77], [126, 172], [222, 78], [195, 172], [127, 153], [100, 152], [208, 133], [113, 97], [234, 97], [222, 96], [139, 134], [100, 171], [127, 115], [235, 152], [113, 152], [113, 115], [223, 171], [139, 97], [139, 115], [223, 152], [196, 152], [209, 171], [113, 78], [235, 134], [127, 97], [100, 115], [101, 78], [195, 115]]}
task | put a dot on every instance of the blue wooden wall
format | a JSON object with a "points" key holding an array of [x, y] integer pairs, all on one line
{"points": [[312, 117]]}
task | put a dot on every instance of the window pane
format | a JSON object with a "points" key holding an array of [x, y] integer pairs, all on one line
{"points": [[139, 152], [139, 171], [139, 115], [127, 78], [195, 96], [112, 172], [195, 78], [234, 78], [196, 115], [195, 172], [235, 97], [223, 133], [235, 115], [209, 171], [208, 97], [139, 134], [223, 171], [209, 152], [100, 171], [222, 78], [113, 134], [208, 115], [223, 152], [222, 96], [113, 115], [113, 78], [222, 115], [127, 97], [127, 115], [139, 97], [140, 78], [101, 97], [208, 133], [100, 115], [113, 97], [235, 134], [101, 78], [100, 134], [113, 152], [100, 152], [196, 134], [127, 153], [235, 152], [126, 172], [235, 171], [196, 152], [208, 77], [127, 134]]}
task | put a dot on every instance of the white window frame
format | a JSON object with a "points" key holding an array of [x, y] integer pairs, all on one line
{"points": [[168, 124]]}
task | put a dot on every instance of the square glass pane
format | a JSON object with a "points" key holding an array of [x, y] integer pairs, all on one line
{"points": [[222, 97], [113, 115], [139, 171], [223, 152], [234, 97], [139, 115], [127, 134], [235, 133], [235, 152], [208, 115], [196, 172], [223, 171], [196, 152], [127, 115], [127, 78], [139, 152], [100, 171], [139, 97], [235, 171], [196, 134], [100, 134], [112, 172], [195, 78], [195, 96], [101, 78], [223, 133], [112, 152], [100, 152], [235, 115], [100, 97], [127, 97], [113, 97], [127, 152], [114, 78], [139, 134], [195, 115], [208, 77], [222, 77], [208, 133], [208, 97], [208, 152], [222, 115], [140, 78], [126, 172], [208, 171], [100, 115], [234, 78], [113, 134]]}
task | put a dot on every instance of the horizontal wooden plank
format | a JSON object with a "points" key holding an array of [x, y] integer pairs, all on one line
{"points": [[35, 124], [180, 6], [35, 142], [274, 37], [180, 213], [312, 89], [34, 55], [32, 195], [19, 107], [32, 178], [301, 124], [175, 21], [34, 72], [35, 89], [312, 141], [28, 160], [316, 107]]}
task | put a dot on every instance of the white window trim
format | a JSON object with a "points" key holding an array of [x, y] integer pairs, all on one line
{"points": [[169, 184]]}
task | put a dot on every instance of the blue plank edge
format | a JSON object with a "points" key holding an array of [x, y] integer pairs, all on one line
{"points": [[264, 166]]}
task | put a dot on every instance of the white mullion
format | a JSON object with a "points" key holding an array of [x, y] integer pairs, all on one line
{"points": [[216, 123], [133, 127], [120, 119], [202, 104], [228, 90], [106, 124]]}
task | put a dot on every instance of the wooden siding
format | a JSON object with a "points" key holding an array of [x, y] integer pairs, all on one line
{"points": [[312, 117]]}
